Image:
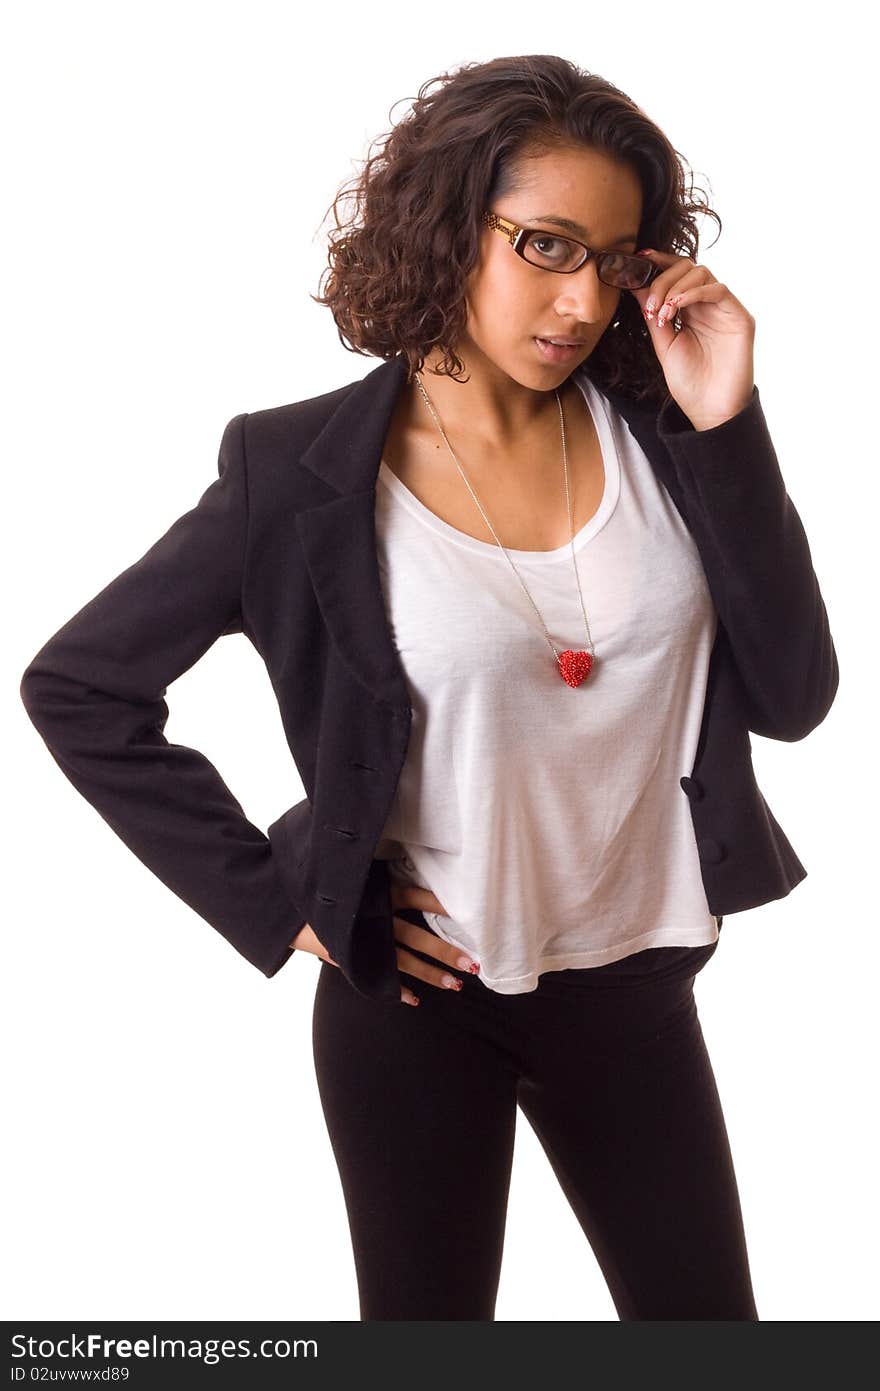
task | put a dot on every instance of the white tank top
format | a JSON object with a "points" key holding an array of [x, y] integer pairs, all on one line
{"points": [[548, 819]]}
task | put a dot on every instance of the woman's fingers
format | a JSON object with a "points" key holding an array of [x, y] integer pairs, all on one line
{"points": [[424, 941], [414, 896], [419, 939], [434, 975]]}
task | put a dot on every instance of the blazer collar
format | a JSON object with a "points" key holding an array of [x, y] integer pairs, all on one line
{"points": [[338, 535], [345, 454]]}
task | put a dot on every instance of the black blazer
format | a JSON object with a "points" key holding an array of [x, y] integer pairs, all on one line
{"points": [[282, 547]]}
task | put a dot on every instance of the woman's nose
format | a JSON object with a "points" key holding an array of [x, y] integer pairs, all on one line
{"points": [[584, 297]]}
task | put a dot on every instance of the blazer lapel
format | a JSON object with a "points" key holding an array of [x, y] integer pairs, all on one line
{"points": [[338, 536]]}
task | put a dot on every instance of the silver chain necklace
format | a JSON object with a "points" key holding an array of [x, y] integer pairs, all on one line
{"points": [[574, 667]]}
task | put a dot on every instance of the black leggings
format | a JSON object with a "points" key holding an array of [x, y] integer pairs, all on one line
{"points": [[609, 1067]]}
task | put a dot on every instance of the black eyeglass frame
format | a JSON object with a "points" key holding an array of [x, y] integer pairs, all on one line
{"points": [[518, 236]]}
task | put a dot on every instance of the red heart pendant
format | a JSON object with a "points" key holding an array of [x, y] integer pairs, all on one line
{"points": [[575, 667]]}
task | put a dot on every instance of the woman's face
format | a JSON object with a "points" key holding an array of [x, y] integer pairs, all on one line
{"points": [[511, 302]]}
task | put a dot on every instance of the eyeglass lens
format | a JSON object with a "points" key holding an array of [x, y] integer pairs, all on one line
{"points": [[614, 267]]}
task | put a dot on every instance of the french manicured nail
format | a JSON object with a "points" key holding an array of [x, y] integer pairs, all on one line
{"points": [[450, 982], [650, 307], [464, 963]]}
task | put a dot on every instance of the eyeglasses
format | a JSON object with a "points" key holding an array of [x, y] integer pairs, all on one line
{"points": [[564, 255]]}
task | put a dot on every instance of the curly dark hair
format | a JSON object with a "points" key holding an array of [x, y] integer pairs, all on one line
{"points": [[398, 270]]}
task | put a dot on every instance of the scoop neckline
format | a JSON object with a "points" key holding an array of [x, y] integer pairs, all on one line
{"points": [[598, 409]]}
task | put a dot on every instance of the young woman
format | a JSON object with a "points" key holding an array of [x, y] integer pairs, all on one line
{"points": [[523, 592]]}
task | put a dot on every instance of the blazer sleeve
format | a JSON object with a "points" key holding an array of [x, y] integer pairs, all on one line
{"points": [[95, 693], [758, 567]]}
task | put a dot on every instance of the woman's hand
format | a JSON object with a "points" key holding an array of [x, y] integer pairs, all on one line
{"points": [[305, 940], [709, 362], [408, 896], [411, 896]]}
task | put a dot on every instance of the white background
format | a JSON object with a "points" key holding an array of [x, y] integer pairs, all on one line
{"points": [[168, 169]]}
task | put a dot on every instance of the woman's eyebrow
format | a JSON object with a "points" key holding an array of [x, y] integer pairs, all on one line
{"points": [[580, 231]]}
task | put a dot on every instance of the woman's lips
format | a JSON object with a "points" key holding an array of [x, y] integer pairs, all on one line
{"points": [[555, 352]]}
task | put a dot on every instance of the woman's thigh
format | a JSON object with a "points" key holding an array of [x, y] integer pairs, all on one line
{"points": [[622, 1096], [421, 1115]]}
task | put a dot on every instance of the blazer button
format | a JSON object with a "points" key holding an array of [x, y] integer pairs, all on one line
{"points": [[693, 787], [712, 851]]}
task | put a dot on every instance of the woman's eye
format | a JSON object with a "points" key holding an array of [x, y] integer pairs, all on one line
{"points": [[541, 243]]}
